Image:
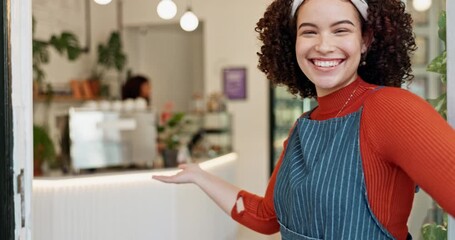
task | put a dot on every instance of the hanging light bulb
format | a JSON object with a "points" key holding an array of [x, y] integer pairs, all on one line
{"points": [[421, 5], [166, 9], [103, 2], [189, 21]]}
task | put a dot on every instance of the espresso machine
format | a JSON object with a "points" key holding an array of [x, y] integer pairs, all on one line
{"points": [[101, 139]]}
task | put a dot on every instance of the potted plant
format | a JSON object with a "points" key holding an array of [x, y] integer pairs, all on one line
{"points": [[110, 56], [169, 137], [43, 150]]}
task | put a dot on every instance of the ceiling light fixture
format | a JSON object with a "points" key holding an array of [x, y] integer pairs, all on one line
{"points": [[166, 9], [421, 5], [189, 21], [103, 2]]}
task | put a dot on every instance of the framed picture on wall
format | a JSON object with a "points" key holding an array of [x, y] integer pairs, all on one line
{"points": [[234, 83]]}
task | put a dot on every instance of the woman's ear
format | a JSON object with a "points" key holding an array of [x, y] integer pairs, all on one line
{"points": [[367, 40]]}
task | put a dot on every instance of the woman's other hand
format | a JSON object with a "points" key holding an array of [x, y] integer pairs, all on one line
{"points": [[188, 174], [222, 192]]}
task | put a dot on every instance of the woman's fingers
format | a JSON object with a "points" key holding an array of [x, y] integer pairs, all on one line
{"points": [[166, 179], [187, 173]]}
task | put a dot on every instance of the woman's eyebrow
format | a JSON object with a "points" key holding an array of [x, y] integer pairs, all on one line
{"points": [[307, 24], [342, 22]]}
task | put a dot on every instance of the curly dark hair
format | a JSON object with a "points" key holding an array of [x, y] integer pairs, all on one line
{"points": [[388, 59], [132, 88]]}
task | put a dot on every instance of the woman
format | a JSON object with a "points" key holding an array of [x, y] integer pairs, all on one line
{"points": [[137, 87], [351, 165]]}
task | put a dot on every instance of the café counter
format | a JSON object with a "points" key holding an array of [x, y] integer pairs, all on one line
{"points": [[130, 205]]}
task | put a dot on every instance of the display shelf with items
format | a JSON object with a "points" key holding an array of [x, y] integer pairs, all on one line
{"points": [[208, 135], [217, 131], [285, 108], [205, 135], [74, 91]]}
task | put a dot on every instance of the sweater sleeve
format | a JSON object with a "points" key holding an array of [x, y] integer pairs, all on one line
{"points": [[409, 133], [258, 213]]}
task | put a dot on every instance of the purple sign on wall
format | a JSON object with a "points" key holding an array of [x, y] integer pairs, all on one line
{"points": [[234, 83]]}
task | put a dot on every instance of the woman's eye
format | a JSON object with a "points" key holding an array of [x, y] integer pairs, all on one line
{"points": [[341, 30], [308, 32]]}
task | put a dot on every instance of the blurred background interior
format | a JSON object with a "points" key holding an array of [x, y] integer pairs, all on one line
{"points": [[123, 89]]}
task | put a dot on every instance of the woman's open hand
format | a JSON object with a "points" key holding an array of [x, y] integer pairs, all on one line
{"points": [[188, 174], [223, 193]]}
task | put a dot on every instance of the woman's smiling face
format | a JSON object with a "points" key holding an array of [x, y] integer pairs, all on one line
{"points": [[329, 43]]}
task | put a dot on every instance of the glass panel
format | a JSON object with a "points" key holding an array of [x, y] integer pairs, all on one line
{"points": [[286, 108]]}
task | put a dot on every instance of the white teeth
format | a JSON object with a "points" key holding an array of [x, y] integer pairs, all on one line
{"points": [[326, 63]]}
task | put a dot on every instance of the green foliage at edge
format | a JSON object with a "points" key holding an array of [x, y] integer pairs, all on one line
{"points": [[435, 231], [43, 147], [439, 65]]}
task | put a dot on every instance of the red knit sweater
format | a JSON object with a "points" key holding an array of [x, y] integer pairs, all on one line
{"points": [[403, 142]]}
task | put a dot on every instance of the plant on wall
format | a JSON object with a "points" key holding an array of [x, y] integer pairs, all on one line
{"points": [[66, 42], [438, 230], [110, 56]]}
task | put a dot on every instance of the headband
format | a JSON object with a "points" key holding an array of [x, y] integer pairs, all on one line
{"points": [[361, 6]]}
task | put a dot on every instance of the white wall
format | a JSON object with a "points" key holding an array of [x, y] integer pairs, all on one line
{"points": [[171, 58]]}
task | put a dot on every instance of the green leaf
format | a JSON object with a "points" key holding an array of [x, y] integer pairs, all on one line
{"points": [[442, 26], [439, 64], [434, 232], [66, 42], [111, 54], [40, 52], [43, 147], [440, 104], [175, 119]]}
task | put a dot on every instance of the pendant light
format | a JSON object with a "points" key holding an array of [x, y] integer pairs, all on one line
{"points": [[166, 9], [103, 2], [189, 21], [421, 5]]}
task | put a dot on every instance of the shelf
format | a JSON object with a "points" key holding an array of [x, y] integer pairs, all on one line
{"points": [[61, 99]]}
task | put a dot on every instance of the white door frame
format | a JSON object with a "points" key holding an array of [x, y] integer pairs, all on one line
{"points": [[22, 106]]}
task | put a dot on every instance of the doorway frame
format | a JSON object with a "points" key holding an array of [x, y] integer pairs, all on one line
{"points": [[7, 206]]}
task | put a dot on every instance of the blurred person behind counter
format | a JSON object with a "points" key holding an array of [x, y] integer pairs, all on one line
{"points": [[137, 86]]}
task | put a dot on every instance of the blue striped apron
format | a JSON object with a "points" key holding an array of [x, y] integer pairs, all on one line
{"points": [[320, 190]]}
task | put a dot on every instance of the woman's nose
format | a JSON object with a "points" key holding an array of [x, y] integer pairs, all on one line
{"points": [[324, 44]]}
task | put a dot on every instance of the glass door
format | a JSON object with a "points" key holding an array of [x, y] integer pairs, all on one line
{"points": [[285, 108]]}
